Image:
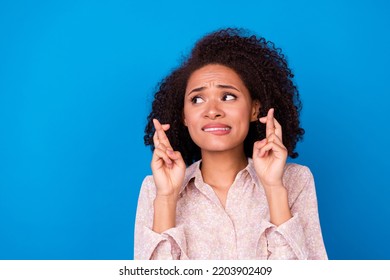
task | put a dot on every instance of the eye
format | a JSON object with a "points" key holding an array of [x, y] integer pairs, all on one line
{"points": [[197, 100], [229, 97]]}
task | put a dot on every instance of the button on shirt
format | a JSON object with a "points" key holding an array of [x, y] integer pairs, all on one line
{"points": [[242, 230]]}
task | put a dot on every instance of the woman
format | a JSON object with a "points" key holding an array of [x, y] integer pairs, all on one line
{"points": [[221, 188]]}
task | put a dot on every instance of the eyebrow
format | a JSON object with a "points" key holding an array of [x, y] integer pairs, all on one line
{"points": [[218, 86]]}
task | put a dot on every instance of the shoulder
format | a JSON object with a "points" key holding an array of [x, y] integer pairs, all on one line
{"points": [[148, 187], [148, 182], [294, 172], [297, 179]]}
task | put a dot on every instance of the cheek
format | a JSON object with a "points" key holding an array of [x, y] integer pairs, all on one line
{"points": [[191, 112], [189, 116], [243, 119], [242, 113]]}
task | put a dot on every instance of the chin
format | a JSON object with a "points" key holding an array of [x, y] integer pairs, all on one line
{"points": [[218, 148]]}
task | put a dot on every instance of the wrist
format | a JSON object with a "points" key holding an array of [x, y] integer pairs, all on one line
{"points": [[274, 188], [168, 197], [277, 197], [164, 212], [269, 183], [276, 194]]}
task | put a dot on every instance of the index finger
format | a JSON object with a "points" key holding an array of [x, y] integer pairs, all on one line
{"points": [[156, 142], [161, 136], [270, 125], [278, 129]]}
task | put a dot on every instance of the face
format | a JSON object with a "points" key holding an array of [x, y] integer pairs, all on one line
{"points": [[218, 109]]}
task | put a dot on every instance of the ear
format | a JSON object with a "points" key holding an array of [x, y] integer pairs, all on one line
{"points": [[184, 119], [255, 110]]}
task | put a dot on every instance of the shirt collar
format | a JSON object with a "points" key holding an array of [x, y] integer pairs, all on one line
{"points": [[252, 172], [193, 171]]}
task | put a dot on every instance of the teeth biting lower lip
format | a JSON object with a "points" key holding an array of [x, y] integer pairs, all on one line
{"points": [[216, 129]]}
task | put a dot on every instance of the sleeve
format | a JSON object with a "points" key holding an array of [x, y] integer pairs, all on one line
{"points": [[300, 237], [169, 245]]}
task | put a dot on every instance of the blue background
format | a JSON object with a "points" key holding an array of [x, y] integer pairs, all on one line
{"points": [[76, 81]]}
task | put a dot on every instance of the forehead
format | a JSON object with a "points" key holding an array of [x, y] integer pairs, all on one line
{"points": [[214, 73]]}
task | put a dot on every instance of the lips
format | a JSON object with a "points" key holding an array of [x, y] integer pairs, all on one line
{"points": [[216, 129], [219, 129]]}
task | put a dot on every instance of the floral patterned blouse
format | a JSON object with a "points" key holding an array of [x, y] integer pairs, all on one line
{"points": [[242, 230]]}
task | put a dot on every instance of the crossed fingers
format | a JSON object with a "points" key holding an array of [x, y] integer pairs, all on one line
{"points": [[272, 125], [159, 136], [163, 149], [273, 131]]}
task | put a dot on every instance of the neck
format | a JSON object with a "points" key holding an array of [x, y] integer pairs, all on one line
{"points": [[219, 169]]}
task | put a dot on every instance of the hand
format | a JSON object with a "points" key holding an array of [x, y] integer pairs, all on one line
{"points": [[270, 155], [167, 165]]}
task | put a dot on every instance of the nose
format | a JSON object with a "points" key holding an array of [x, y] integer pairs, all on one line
{"points": [[214, 110]]}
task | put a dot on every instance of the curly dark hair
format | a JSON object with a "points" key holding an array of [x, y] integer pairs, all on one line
{"points": [[264, 71]]}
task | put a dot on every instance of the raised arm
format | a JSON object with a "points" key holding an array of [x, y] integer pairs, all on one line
{"points": [[168, 170], [269, 159]]}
